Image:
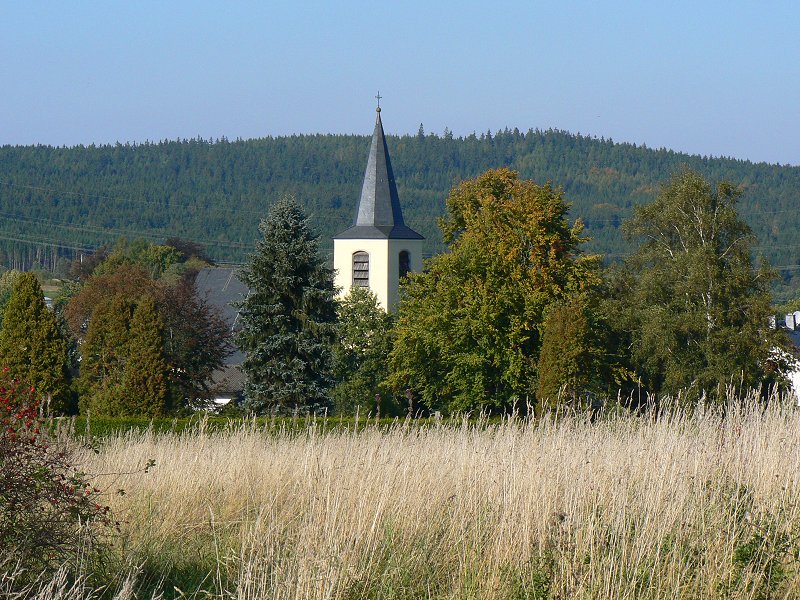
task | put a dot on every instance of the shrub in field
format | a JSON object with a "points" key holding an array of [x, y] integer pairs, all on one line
{"points": [[49, 512]]}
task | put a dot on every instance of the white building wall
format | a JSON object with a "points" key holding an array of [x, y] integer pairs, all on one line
{"points": [[384, 266], [378, 251]]}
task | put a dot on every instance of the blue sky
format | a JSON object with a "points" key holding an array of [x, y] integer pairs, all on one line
{"points": [[710, 78]]}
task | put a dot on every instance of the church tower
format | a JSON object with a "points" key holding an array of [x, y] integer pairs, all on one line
{"points": [[379, 249]]}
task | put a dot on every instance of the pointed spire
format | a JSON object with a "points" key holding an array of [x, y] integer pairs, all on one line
{"points": [[379, 205], [379, 213]]}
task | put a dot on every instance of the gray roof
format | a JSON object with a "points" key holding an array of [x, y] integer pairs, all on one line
{"points": [[379, 214], [228, 381], [222, 288]]}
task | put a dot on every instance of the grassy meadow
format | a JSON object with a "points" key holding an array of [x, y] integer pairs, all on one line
{"points": [[686, 505]]}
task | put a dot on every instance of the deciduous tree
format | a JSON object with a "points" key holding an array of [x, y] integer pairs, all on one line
{"points": [[127, 280], [361, 352], [696, 310], [196, 340], [154, 259], [469, 328]]}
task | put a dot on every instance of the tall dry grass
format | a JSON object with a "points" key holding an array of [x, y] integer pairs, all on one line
{"points": [[689, 505]]}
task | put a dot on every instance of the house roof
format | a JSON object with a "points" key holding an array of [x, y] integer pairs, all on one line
{"points": [[222, 288], [227, 381], [379, 214]]}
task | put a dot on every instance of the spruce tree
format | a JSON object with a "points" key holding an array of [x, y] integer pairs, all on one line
{"points": [[289, 317], [145, 371], [31, 344]]}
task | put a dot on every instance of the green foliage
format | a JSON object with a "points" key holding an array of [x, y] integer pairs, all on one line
{"points": [[154, 259], [144, 377], [196, 339], [758, 562], [766, 554], [129, 281], [533, 582], [49, 511], [123, 369], [6, 284], [469, 328], [32, 345], [213, 192], [361, 353], [93, 427], [692, 305], [104, 354], [573, 362], [288, 319]]}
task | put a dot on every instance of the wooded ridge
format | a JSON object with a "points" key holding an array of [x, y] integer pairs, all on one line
{"points": [[56, 202]]}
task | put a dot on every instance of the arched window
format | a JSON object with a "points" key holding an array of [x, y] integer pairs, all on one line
{"points": [[360, 269], [405, 263]]}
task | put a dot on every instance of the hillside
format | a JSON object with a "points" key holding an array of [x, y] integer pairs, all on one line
{"points": [[57, 202]]}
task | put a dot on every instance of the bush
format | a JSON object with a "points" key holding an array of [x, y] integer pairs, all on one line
{"points": [[50, 515]]}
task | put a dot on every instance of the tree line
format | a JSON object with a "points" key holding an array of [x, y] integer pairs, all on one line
{"points": [[128, 335], [515, 315], [59, 203]]}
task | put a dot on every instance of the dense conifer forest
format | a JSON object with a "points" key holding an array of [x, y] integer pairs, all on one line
{"points": [[56, 203]]}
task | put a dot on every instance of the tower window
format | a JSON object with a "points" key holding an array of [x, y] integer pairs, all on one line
{"points": [[360, 269], [405, 263]]}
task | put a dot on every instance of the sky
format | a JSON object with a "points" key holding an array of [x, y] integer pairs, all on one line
{"points": [[708, 78]]}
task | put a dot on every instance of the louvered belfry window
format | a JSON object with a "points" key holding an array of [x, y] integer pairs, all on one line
{"points": [[360, 269], [405, 263]]}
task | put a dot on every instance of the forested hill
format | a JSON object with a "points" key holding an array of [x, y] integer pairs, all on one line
{"points": [[56, 201]]}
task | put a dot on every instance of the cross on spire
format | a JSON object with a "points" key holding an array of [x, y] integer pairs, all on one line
{"points": [[379, 101]]}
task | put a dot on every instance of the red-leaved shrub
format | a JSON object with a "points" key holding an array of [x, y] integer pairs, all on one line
{"points": [[50, 514]]}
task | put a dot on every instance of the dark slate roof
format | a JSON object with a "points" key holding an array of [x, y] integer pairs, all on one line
{"points": [[367, 232], [227, 381], [379, 215], [222, 288]]}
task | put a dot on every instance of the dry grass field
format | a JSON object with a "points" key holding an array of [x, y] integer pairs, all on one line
{"points": [[694, 505]]}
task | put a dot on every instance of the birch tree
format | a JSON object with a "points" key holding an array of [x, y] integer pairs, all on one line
{"points": [[697, 308]]}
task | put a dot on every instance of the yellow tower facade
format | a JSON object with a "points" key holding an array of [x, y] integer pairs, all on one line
{"points": [[379, 249]]}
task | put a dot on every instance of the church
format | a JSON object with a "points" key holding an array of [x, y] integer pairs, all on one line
{"points": [[379, 249], [376, 252]]}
